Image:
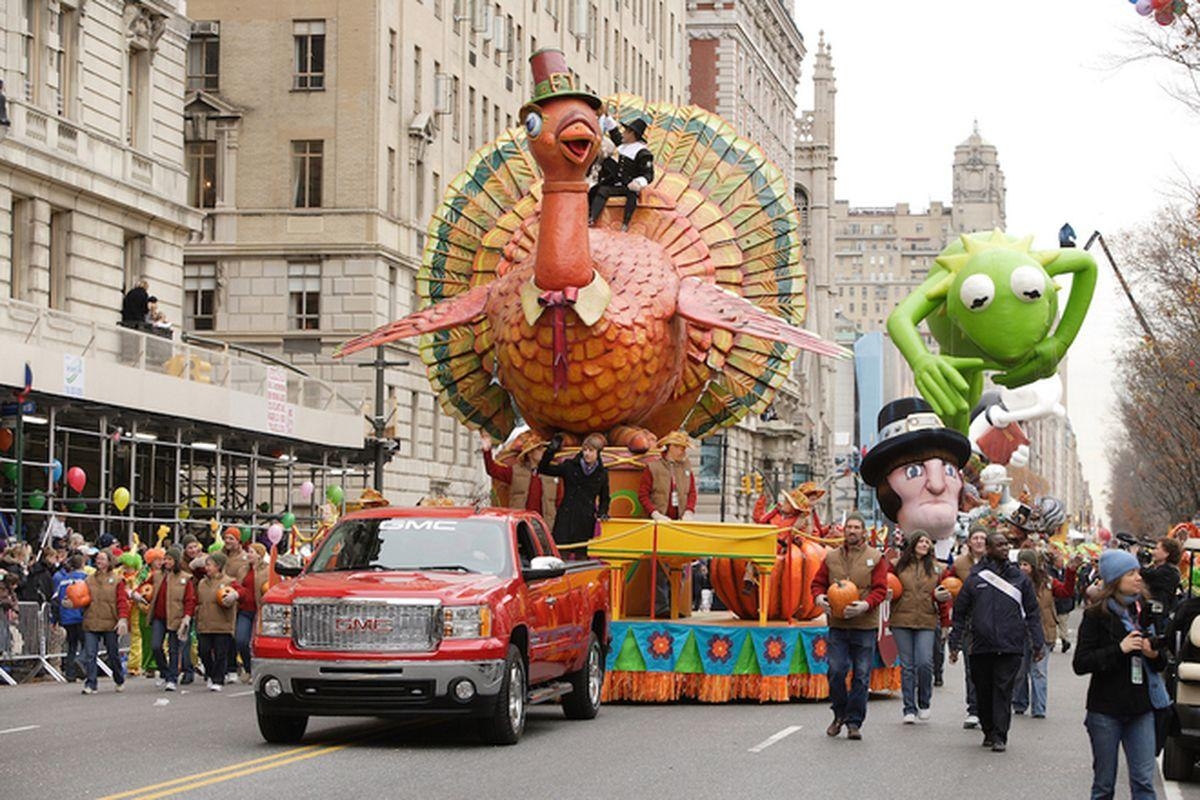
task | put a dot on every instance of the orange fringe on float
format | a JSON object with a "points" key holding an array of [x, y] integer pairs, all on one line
{"points": [[667, 687]]}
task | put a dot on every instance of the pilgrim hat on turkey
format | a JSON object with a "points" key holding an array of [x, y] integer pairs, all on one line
{"points": [[637, 127], [908, 430]]}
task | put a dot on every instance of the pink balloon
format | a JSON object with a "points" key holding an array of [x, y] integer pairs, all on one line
{"points": [[274, 533], [76, 478], [306, 489]]}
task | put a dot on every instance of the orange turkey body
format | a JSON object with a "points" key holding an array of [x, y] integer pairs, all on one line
{"points": [[619, 370]]}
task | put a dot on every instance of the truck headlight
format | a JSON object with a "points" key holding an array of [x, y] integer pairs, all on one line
{"points": [[467, 622], [275, 620]]}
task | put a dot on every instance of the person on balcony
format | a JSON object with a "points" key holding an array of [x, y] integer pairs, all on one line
{"points": [[136, 304]]}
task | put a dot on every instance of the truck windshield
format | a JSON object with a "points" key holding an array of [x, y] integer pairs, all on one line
{"points": [[416, 544]]}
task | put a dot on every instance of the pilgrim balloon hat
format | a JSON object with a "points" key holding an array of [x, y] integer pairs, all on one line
{"points": [[908, 427]]}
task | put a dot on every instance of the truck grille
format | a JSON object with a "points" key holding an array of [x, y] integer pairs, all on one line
{"points": [[380, 694], [366, 626]]}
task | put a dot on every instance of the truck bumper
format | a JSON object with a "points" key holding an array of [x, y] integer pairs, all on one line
{"points": [[376, 688]]}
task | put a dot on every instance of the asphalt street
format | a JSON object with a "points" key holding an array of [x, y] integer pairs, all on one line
{"points": [[57, 743]]}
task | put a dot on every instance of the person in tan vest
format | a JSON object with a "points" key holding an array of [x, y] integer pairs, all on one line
{"points": [[105, 620], [852, 636], [914, 620], [961, 569], [527, 487], [237, 563], [667, 491], [216, 614], [172, 606]]}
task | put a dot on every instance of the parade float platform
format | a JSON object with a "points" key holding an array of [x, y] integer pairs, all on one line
{"points": [[710, 657]]}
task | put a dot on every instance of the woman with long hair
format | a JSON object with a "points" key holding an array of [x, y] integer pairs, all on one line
{"points": [[251, 593], [172, 606], [1121, 652], [106, 619], [914, 620], [1033, 677]]}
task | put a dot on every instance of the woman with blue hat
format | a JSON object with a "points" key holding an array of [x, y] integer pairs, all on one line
{"points": [[1118, 647]]}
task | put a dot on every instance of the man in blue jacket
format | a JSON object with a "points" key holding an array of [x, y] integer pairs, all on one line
{"points": [[999, 604], [71, 619]]}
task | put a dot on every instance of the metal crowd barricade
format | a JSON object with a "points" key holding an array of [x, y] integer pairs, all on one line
{"points": [[36, 643]]}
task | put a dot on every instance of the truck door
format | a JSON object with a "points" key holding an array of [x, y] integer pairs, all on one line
{"points": [[545, 629], [572, 604]]}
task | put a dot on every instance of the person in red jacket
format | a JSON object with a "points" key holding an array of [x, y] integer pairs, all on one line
{"points": [[527, 487], [852, 633]]}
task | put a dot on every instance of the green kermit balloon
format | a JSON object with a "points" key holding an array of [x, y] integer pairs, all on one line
{"points": [[990, 301]]}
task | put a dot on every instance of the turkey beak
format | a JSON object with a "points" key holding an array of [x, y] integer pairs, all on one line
{"points": [[577, 142]]}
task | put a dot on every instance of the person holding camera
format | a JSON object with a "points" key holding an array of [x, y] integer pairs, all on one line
{"points": [[1161, 576], [1118, 648]]}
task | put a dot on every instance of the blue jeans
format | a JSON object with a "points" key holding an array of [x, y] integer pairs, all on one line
{"points": [[916, 666], [850, 650], [168, 666], [185, 653], [1031, 684], [1108, 734], [112, 657], [241, 637]]}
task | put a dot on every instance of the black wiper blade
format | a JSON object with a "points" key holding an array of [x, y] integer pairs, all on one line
{"points": [[447, 567]]}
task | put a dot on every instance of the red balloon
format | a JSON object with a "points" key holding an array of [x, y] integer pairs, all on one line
{"points": [[76, 478], [1164, 16], [6, 439], [1158, 5]]}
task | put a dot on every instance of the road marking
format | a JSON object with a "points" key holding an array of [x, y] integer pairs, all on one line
{"points": [[196, 776], [187, 787], [22, 728], [778, 737], [242, 694]]}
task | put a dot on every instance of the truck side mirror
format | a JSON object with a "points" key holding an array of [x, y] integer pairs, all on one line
{"points": [[544, 567], [289, 565]]}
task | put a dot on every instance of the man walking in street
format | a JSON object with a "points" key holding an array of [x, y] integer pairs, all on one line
{"points": [[852, 635], [999, 607]]}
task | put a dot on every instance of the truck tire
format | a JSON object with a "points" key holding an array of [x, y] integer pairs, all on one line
{"points": [[507, 724], [279, 728], [584, 700], [1178, 762]]}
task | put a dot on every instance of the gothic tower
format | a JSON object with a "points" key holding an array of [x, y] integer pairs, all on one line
{"points": [[978, 186]]}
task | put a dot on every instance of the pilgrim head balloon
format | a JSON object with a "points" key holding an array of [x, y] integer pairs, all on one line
{"points": [[914, 468]]}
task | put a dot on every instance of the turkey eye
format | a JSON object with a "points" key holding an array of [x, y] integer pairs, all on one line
{"points": [[1028, 283], [533, 124], [977, 292], [914, 471]]}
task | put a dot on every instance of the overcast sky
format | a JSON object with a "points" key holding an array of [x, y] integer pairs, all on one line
{"points": [[1078, 139]]}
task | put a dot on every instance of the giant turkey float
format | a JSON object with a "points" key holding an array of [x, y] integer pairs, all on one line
{"points": [[688, 318]]}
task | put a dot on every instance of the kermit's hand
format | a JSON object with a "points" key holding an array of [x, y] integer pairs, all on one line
{"points": [[939, 381], [1042, 362]]}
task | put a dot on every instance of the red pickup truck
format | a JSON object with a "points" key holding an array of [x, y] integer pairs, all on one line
{"points": [[455, 611]]}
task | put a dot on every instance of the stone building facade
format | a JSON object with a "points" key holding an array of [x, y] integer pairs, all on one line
{"points": [[92, 184], [321, 137]]}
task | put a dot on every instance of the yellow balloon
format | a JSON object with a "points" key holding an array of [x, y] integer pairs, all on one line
{"points": [[120, 498]]}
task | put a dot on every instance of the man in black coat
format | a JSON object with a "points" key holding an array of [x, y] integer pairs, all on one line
{"points": [[634, 171], [585, 497], [999, 604], [136, 304], [39, 584]]}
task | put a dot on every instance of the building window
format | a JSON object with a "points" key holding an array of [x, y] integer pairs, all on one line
{"points": [[60, 236], [203, 56], [471, 119], [67, 56], [307, 156], [202, 173], [392, 64], [137, 99], [199, 297], [455, 116], [391, 182], [418, 88], [31, 49], [309, 70], [304, 288]]}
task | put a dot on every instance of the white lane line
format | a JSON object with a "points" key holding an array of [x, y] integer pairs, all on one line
{"points": [[242, 694], [778, 737], [22, 728]]}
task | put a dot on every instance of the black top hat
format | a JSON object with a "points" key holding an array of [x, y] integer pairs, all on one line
{"points": [[909, 425], [638, 126]]}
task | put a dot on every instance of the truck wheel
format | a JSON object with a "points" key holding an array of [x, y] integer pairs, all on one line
{"points": [[584, 700], [507, 724], [278, 728], [1178, 762]]}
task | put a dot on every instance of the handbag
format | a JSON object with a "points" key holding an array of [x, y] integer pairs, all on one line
{"points": [[885, 642]]}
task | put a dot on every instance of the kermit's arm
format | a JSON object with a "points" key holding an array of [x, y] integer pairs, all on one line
{"points": [[937, 378], [1043, 361]]}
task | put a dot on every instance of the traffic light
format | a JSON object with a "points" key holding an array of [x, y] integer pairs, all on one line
{"points": [[758, 483], [746, 485]]}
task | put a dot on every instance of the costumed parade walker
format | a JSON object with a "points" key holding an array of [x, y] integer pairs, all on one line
{"points": [[686, 319]]}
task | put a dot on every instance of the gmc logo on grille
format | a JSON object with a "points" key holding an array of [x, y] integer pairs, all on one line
{"points": [[362, 624]]}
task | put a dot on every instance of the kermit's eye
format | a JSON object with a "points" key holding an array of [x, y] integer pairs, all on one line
{"points": [[1028, 283], [977, 292]]}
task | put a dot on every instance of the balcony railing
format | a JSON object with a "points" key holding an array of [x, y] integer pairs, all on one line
{"points": [[208, 363]]}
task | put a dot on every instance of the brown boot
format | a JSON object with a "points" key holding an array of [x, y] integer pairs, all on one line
{"points": [[834, 728]]}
